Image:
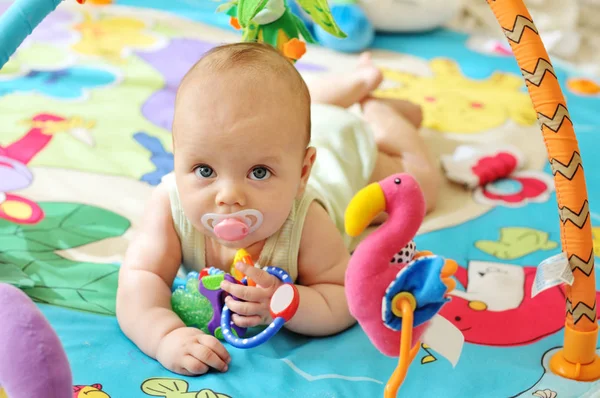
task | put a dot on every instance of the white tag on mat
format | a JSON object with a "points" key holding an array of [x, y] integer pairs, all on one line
{"points": [[552, 272], [445, 338]]}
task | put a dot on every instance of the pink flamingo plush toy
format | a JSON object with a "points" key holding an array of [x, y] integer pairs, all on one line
{"points": [[390, 287]]}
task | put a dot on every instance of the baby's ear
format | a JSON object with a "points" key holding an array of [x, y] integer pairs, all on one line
{"points": [[307, 163]]}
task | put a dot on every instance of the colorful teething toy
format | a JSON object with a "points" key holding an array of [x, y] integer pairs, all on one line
{"points": [[284, 305], [200, 302]]}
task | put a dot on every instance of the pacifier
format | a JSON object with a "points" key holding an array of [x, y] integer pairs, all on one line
{"points": [[231, 229], [234, 226]]}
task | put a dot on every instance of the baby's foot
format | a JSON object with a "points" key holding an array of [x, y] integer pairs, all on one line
{"points": [[368, 73], [409, 110]]}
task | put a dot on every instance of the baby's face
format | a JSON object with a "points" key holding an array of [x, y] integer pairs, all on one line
{"points": [[240, 145]]}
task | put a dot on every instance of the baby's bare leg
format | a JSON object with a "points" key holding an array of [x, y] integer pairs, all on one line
{"points": [[395, 125], [349, 88]]}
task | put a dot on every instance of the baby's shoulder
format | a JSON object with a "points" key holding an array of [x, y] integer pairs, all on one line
{"points": [[168, 189], [319, 232], [322, 247]]}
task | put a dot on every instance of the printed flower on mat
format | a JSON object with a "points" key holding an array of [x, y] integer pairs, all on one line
{"points": [[516, 190], [14, 158], [112, 37], [54, 28], [71, 83], [547, 393], [36, 56]]}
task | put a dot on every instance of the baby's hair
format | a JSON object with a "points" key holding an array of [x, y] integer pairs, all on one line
{"points": [[255, 57]]}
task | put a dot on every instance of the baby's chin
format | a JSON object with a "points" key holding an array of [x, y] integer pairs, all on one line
{"points": [[238, 244]]}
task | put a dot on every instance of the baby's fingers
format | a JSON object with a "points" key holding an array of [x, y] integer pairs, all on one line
{"points": [[208, 357], [216, 346], [261, 277], [246, 321], [246, 293], [192, 366], [243, 307]]}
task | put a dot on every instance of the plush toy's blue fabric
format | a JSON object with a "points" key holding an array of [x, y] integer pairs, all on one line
{"points": [[353, 22], [422, 279]]}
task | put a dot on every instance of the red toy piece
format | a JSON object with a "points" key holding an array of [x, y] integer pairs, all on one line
{"points": [[285, 302]]}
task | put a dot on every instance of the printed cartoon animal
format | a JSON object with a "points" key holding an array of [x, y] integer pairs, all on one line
{"points": [[176, 388], [516, 242], [93, 391]]}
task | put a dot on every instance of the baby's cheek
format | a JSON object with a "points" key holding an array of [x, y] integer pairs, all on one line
{"points": [[274, 217], [195, 205]]}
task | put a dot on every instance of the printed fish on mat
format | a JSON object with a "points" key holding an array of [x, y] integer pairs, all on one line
{"points": [[516, 242]]}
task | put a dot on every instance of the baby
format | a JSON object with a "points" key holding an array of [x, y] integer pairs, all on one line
{"points": [[257, 166]]}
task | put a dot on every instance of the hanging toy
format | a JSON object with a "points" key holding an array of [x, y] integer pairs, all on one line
{"points": [[394, 298], [272, 22]]}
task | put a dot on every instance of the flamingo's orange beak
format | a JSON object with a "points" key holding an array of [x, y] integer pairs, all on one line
{"points": [[363, 208]]}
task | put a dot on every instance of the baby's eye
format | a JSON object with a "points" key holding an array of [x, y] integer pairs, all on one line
{"points": [[260, 173], [204, 171]]}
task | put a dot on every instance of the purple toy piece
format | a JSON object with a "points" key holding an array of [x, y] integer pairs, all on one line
{"points": [[217, 301], [33, 362]]}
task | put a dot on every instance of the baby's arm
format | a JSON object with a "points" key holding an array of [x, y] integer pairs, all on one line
{"points": [[144, 297], [322, 263]]}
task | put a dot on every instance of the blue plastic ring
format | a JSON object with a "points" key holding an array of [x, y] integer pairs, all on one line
{"points": [[265, 335]]}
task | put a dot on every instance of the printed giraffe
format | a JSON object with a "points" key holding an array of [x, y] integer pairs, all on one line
{"points": [[581, 330]]}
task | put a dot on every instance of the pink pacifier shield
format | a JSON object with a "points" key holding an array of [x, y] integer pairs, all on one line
{"points": [[231, 229]]}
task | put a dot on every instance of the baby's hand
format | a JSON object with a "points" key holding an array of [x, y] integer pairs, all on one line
{"points": [[191, 352], [254, 310]]}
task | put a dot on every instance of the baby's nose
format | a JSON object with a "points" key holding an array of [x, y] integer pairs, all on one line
{"points": [[230, 195]]}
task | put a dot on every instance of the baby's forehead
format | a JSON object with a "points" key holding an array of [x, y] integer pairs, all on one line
{"points": [[241, 82], [241, 79], [243, 93], [248, 62]]}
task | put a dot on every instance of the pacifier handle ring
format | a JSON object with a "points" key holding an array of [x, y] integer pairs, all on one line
{"points": [[278, 319]]}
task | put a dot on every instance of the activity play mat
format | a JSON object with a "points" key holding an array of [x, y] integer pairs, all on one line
{"points": [[85, 109]]}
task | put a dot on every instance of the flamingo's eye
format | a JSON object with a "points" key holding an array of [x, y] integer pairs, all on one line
{"points": [[398, 181]]}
